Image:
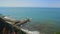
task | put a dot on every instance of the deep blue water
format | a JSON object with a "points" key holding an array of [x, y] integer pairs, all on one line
{"points": [[43, 19]]}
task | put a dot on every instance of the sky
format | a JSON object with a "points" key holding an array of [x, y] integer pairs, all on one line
{"points": [[29, 3]]}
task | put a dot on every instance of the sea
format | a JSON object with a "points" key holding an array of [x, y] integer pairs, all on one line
{"points": [[45, 20]]}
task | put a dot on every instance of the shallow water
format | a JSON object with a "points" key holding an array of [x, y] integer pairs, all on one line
{"points": [[45, 20]]}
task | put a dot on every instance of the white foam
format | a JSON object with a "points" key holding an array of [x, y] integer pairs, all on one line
{"points": [[9, 18], [30, 32]]}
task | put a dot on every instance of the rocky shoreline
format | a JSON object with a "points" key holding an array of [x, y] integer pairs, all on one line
{"points": [[12, 26]]}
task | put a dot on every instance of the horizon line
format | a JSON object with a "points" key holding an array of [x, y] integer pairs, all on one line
{"points": [[41, 7]]}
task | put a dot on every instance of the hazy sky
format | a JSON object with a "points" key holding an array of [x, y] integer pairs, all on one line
{"points": [[29, 3]]}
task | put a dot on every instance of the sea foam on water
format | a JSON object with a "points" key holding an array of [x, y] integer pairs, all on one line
{"points": [[30, 32]]}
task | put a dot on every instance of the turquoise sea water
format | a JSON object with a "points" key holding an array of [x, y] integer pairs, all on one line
{"points": [[45, 20]]}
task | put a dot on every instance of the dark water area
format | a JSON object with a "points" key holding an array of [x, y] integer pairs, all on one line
{"points": [[45, 20]]}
